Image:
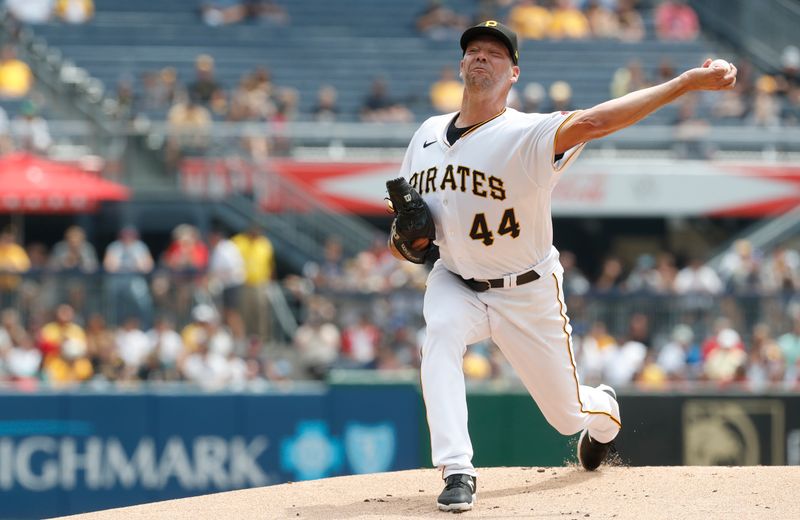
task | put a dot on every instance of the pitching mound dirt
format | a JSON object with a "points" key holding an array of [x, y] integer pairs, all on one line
{"points": [[563, 493]]}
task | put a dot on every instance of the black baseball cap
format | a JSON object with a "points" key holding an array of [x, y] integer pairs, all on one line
{"points": [[495, 30]]}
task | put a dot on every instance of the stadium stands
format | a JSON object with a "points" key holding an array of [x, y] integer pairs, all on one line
{"points": [[345, 44]]}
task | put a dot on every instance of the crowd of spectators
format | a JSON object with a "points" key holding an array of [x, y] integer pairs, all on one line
{"points": [[203, 311]]}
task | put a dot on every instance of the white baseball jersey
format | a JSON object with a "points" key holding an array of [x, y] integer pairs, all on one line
{"points": [[489, 192]]}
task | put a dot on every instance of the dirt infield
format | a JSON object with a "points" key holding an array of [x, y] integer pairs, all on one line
{"points": [[563, 493]]}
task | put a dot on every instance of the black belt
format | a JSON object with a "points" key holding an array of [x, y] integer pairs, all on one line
{"points": [[499, 283]]}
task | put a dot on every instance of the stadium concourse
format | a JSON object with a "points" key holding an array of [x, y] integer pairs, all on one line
{"points": [[668, 493]]}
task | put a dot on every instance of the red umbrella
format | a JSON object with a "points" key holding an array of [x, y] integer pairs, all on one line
{"points": [[31, 184]]}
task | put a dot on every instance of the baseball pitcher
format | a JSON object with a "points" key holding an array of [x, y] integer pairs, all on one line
{"points": [[477, 183]]}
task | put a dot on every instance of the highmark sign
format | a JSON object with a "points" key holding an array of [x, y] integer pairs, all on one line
{"points": [[44, 463], [70, 453]]}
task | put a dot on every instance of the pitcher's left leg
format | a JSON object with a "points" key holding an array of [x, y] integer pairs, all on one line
{"points": [[529, 323]]}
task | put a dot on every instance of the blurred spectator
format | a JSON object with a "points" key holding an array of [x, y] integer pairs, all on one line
{"points": [[74, 11], [765, 364], [318, 342], [126, 98], [568, 22], [31, 11], [665, 265], [691, 131], [603, 21], [766, 110], [75, 258], [16, 78], [698, 278], [789, 344], [251, 101], [740, 267], [560, 97], [13, 329], [128, 260], [30, 130], [530, 20], [288, 101], [631, 25], [189, 128], [330, 274], [729, 106], [259, 264], [133, 347], [23, 362], [360, 342], [725, 361], [205, 330], [185, 258], [651, 376], [167, 345], [626, 363], [697, 284], [205, 88], [226, 276], [780, 273], [680, 358], [6, 143], [533, 98], [574, 280], [446, 92], [101, 349], [326, 110], [223, 12], [379, 107], [628, 79], [609, 281], [789, 75], [160, 89], [267, 12], [639, 329], [186, 252], [439, 22], [63, 344], [790, 113], [596, 350], [676, 20], [205, 368], [645, 277], [14, 261]]}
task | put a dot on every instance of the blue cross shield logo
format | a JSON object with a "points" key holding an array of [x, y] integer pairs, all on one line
{"points": [[370, 448]]}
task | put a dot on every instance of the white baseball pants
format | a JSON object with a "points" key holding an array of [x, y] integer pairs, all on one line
{"points": [[530, 326]]}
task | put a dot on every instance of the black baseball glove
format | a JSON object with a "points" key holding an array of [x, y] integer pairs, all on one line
{"points": [[412, 221]]}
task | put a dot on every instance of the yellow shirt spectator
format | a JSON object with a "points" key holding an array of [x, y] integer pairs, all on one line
{"points": [[258, 256], [13, 259], [570, 23], [60, 371], [55, 333], [529, 20], [446, 92], [16, 78], [75, 11]]}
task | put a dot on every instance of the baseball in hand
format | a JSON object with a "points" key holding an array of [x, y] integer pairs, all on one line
{"points": [[720, 64]]}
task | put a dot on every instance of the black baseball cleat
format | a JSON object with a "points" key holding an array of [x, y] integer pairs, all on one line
{"points": [[590, 452], [458, 494]]}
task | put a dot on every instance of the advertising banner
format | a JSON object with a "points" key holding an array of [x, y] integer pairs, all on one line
{"points": [[71, 453]]}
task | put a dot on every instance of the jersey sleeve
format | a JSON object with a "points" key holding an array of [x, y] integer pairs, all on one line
{"points": [[538, 152]]}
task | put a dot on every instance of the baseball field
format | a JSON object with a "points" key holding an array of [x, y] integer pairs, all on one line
{"points": [[522, 492]]}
